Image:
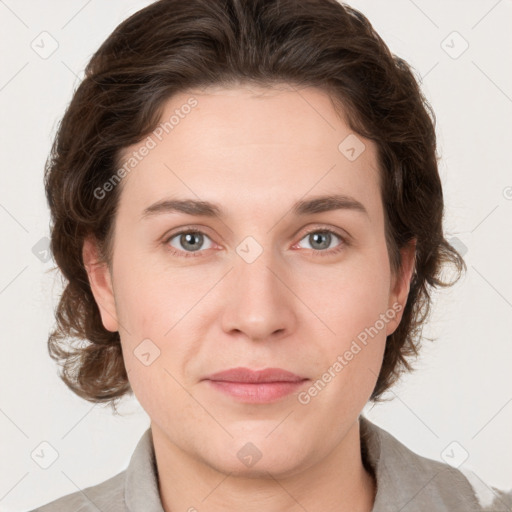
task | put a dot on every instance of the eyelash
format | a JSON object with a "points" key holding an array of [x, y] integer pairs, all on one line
{"points": [[186, 254]]}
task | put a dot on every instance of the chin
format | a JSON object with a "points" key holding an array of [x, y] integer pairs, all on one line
{"points": [[255, 456], [261, 469]]}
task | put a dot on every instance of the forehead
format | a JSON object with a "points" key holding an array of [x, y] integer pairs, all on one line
{"points": [[251, 147]]}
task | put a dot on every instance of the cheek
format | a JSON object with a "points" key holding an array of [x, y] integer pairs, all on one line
{"points": [[157, 329], [350, 297], [146, 301], [353, 303]]}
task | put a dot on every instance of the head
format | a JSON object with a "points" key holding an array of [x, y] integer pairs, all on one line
{"points": [[265, 115]]}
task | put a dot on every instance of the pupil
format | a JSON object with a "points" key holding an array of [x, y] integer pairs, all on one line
{"points": [[317, 236], [189, 237]]}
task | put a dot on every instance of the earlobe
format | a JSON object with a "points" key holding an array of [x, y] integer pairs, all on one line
{"points": [[100, 281], [402, 284]]}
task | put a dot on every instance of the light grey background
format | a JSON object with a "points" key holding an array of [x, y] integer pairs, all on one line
{"points": [[462, 389]]}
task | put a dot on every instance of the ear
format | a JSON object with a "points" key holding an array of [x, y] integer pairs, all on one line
{"points": [[100, 281], [401, 284]]}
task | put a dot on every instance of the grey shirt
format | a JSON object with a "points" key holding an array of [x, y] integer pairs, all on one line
{"points": [[406, 482]]}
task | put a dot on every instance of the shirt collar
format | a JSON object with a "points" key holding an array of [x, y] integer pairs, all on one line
{"points": [[374, 459], [141, 489], [407, 481]]}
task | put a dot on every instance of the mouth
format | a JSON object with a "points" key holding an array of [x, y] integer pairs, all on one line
{"points": [[256, 386]]}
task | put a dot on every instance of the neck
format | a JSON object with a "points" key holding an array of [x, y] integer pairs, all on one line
{"points": [[339, 482]]}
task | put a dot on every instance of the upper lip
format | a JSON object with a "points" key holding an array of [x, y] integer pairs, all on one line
{"points": [[241, 374]]}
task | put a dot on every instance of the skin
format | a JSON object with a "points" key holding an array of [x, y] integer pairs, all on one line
{"points": [[254, 152]]}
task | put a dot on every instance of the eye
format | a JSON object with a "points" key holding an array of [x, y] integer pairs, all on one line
{"points": [[322, 241], [187, 243]]}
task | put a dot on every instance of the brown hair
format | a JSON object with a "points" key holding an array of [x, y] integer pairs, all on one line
{"points": [[174, 45]]}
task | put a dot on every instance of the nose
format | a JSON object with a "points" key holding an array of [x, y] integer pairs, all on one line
{"points": [[260, 303]]}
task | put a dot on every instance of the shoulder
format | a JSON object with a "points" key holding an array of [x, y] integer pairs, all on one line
{"points": [[410, 482], [489, 498], [135, 488], [107, 496]]}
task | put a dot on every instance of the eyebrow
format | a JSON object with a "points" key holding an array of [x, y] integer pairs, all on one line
{"points": [[300, 208]]}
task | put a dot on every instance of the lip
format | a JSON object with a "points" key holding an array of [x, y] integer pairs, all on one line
{"points": [[256, 386], [247, 375]]}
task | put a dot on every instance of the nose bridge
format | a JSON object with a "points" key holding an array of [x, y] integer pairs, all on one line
{"points": [[256, 266], [259, 302]]}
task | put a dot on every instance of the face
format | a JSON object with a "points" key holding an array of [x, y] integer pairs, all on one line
{"points": [[275, 278]]}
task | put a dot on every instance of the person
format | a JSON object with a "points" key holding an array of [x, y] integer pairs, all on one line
{"points": [[247, 209]]}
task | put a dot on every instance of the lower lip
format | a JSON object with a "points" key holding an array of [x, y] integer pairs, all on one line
{"points": [[263, 392]]}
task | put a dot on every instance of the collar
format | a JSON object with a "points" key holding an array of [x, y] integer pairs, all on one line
{"points": [[408, 482], [141, 490]]}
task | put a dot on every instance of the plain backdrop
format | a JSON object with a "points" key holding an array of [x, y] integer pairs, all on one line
{"points": [[459, 399]]}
